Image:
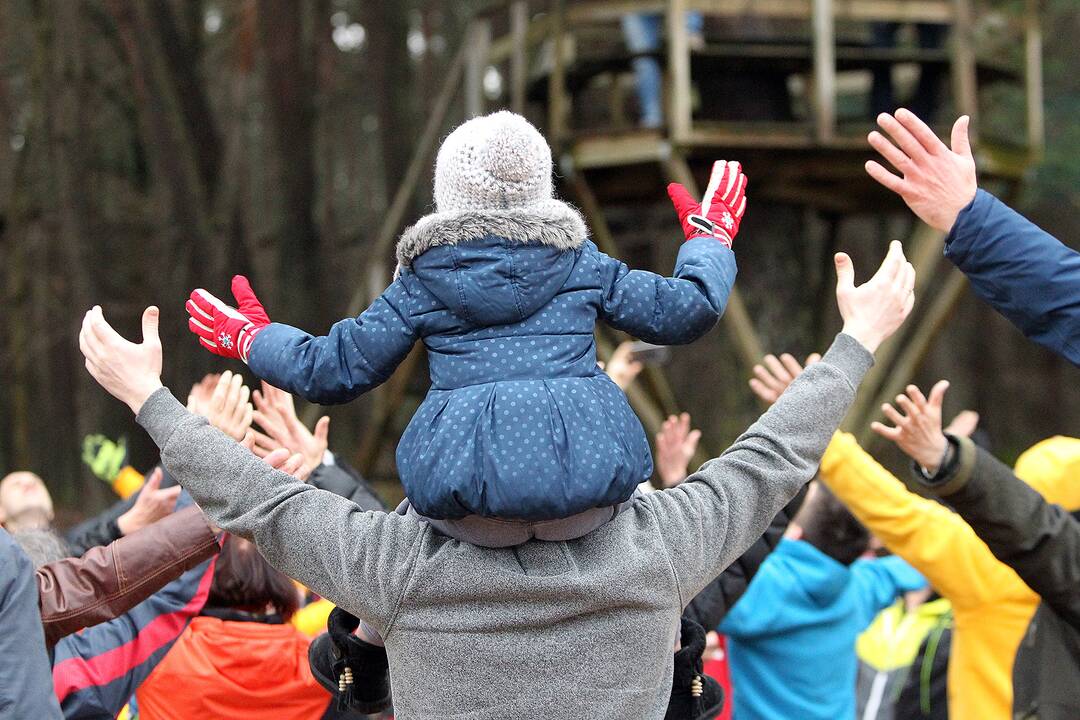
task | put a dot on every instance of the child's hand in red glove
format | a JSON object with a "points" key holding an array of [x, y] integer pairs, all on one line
{"points": [[720, 211], [224, 330]]}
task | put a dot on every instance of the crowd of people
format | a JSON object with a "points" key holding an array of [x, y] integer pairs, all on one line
{"points": [[547, 562]]}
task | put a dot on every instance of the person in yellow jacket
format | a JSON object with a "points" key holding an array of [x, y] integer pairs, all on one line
{"points": [[992, 606]]}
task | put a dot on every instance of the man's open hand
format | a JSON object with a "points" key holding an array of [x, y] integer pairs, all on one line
{"points": [[151, 505], [936, 182], [773, 375], [281, 459], [918, 430], [676, 444], [873, 311], [128, 372], [276, 416]]}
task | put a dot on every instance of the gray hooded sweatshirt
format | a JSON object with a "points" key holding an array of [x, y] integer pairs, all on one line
{"points": [[576, 629]]}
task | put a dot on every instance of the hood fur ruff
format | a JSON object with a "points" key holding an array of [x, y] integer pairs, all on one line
{"points": [[548, 222]]}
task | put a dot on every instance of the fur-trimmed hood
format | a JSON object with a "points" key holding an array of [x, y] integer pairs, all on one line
{"points": [[548, 222], [494, 267]]}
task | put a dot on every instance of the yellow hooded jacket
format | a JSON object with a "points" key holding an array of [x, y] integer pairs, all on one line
{"points": [[992, 606]]}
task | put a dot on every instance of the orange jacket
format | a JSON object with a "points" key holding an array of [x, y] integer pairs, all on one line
{"points": [[236, 670]]}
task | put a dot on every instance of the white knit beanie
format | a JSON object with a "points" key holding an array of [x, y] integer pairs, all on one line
{"points": [[498, 161]]}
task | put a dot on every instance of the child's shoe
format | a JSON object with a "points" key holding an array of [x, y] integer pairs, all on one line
{"points": [[694, 695], [355, 672]]}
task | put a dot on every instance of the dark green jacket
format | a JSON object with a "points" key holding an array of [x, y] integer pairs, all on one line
{"points": [[1041, 542]]}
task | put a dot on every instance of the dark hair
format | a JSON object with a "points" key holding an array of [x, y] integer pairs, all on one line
{"points": [[42, 546], [832, 529], [243, 580]]}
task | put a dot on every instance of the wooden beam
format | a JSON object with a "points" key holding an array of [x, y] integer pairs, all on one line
{"points": [[679, 89], [476, 64], [824, 27], [1033, 81], [964, 78], [915, 350], [557, 101], [610, 11], [736, 317], [519, 25]]}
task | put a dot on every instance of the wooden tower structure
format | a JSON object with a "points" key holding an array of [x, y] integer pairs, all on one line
{"points": [[795, 71]]}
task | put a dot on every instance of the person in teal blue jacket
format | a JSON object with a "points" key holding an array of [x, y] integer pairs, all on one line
{"points": [[791, 637], [1022, 271]]}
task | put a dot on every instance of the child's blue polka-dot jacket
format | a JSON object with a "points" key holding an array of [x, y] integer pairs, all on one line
{"points": [[519, 423]]}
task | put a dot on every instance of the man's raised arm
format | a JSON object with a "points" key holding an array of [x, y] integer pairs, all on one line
{"points": [[358, 560], [713, 517]]}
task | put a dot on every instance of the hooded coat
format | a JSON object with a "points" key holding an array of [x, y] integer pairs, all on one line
{"points": [[519, 422], [792, 636]]}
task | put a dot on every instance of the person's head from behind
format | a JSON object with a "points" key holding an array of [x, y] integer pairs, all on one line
{"points": [[825, 523], [24, 502], [42, 546], [243, 580]]}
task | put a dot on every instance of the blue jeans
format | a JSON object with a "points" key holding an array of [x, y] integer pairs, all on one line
{"points": [[642, 35]]}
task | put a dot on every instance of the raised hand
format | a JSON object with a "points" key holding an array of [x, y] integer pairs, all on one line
{"points": [[676, 444], [281, 459], [873, 311], [917, 431], [225, 330], [228, 408], [720, 211], [151, 505], [128, 372], [772, 376], [936, 182], [281, 428]]}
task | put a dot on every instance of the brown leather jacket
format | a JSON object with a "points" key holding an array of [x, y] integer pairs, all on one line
{"points": [[110, 580]]}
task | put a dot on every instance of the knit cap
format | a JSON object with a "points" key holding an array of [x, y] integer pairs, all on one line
{"points": [[494, 162]]}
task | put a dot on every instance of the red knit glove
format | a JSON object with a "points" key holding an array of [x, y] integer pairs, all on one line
{"points": [[720, 211], [225, 330]]}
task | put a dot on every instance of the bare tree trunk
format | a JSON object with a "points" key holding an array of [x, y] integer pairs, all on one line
{"points": [[290, 95]]}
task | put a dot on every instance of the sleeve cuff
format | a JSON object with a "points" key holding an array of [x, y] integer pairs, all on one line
{"points": [[969, 223], [160, 415], [953, 478], [849, 357]]}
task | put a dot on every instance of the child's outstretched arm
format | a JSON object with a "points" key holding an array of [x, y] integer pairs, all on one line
{"points": [[355, 356], [682, 308]]}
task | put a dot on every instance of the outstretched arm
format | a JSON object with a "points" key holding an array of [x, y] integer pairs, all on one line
{"points": [[1038, 540], [358, 560], [1023, 272], [713, 517]]}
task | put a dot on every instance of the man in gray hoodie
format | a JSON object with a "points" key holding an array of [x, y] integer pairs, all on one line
{"points": [[577, 629]]}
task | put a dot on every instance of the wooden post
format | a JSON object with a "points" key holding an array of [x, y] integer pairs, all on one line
{"points": [[519, 25], [965, 86], [736, 317], [680, 111], [557, 81], [479, 41], [1033, 80], [915, 350], [824, 25]]}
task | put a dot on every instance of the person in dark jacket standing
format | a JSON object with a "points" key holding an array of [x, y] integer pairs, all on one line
{"points": [[1022, 271], [1037, 539], [26, 687]]}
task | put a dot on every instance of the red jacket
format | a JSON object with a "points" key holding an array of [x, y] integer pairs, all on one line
{"points": [[236, 670]]}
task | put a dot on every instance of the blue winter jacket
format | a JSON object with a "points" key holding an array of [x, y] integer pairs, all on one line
{"points": [[791, 637], [519, 423], [1023, 271]]}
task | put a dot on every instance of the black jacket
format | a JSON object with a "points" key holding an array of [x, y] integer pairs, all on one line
{"points": [[1041, 542], [710, 606]]}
